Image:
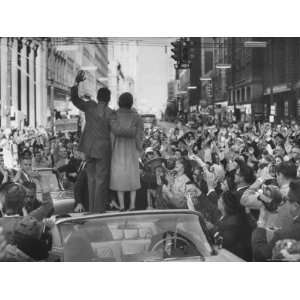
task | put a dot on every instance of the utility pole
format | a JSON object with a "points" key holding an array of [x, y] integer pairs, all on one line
{"points": [[271, 76], [51, 81], [52, 106], [233, 75]]}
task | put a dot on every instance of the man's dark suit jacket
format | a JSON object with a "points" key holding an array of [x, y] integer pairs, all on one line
{"points": [[95, 139], [208, 206], [81, 191]]}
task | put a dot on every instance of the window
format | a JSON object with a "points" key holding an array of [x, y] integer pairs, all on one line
{"points": [[28, 50], [298, 108], [243, 94], [248, 93], [238, 95], [208, 61], [286, 108]]}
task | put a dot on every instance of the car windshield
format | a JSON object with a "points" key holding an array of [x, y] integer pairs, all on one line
{"points": [[51, 178], [148, 119], [152, 237]]}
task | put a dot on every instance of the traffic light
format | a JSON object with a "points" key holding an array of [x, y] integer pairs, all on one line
{"points": [[188, 51], [177, 51], [183, 52], [209, 89]]}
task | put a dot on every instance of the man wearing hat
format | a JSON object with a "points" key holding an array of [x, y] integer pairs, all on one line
{"points": [[13, 206]]}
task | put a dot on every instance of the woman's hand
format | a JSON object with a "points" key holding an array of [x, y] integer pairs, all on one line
{"points": [[189, 202], [79, 208], [210, 179]]}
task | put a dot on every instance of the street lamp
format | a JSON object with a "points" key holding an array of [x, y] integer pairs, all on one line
{"points": [[192, 88], [205, 79], [255, 44], [223, 66], [265, 44], [209, 79]]}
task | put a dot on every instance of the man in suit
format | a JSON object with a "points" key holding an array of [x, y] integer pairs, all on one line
{"points": [[81, 192], [243, 178], [95, 143]]}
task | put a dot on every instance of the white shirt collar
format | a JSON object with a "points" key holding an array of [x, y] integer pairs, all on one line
{"points": [[238, 189]]}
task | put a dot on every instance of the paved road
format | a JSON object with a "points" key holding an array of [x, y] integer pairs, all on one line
{"points": [[168, 125]]}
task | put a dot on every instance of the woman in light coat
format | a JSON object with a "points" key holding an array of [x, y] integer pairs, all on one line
{"points": [[127, 129]]}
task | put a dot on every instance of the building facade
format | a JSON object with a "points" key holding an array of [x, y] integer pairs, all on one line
{"points": [[65, 58], [122, 73], [23, 81], [282, 72]]}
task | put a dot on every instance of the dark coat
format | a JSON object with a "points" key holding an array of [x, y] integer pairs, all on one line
{"points": [[236, 235], [95, 139], [81, 191], [208, 206], [262, 250]]}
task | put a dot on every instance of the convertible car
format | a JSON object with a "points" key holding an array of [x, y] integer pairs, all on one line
{"points": [[139, 236]]}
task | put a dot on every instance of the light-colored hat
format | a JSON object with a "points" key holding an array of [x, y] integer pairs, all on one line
{"points": [[149, 150]]}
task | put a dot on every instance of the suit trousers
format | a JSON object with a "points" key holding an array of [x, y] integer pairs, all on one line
{"points": [[98, 170]]}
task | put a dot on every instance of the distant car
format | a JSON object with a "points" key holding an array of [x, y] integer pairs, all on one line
{"points": [[149, 120], [63, 199], [157, 235]]}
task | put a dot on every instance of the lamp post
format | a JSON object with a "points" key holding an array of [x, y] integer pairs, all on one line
{"points": [[224, 67], [209, 79], [266, 44]]}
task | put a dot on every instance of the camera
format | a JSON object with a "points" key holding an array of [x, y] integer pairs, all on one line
{"points": [[271, 197]]}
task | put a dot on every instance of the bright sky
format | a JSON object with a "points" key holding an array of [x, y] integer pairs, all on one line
{"points": [[155, 69]]}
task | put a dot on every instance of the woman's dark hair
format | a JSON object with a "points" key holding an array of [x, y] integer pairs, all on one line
{"points": [[126, 100], [231, 204], [185, 165]]}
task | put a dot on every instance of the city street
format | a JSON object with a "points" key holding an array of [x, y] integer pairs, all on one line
{"points": [[150, 149]]}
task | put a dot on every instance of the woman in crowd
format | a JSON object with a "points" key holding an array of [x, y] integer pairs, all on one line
{"points": [[125, 175], [174, 191]]}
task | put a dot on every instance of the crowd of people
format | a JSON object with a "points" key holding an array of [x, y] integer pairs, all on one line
{"points": [[243, 178]]}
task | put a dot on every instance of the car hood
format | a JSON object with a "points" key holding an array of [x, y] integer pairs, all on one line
{"points": [[224, 255], [60, 195]]}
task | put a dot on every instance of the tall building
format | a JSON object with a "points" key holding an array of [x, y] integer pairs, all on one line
{"points": [[66, 57], [122, 74], [281, 71], [23, 81], [264, 81]]}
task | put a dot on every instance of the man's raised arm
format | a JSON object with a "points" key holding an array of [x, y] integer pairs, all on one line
{"points": [[76, 100]]}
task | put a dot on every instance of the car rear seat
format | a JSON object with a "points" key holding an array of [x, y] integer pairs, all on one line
{"points": [[126, 242]]}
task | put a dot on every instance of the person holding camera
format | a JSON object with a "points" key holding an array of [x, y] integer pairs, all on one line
{"points": [[261, 246]]}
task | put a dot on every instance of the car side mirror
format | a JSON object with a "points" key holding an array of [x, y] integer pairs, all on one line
{"points": [[218, 240]]}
